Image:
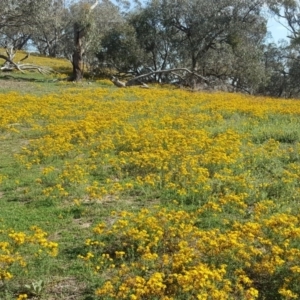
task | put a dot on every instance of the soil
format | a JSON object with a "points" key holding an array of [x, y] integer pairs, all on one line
{"points": [[15, 85]]}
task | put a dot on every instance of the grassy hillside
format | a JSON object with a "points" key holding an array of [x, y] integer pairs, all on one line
{"points": [[58, 64], [110, 193], [31, 81]]}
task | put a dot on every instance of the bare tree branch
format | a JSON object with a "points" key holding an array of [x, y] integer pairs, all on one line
{"points": [[118, 83], [135, 79], [10, 65], [25, 57], [11, 62], [94, 5]]}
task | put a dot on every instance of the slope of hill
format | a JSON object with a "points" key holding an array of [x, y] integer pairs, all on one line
{"points": [[110, 193]]}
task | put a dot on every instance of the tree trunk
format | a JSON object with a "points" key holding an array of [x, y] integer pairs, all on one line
{"points": [[77, 60], [77, 57]]}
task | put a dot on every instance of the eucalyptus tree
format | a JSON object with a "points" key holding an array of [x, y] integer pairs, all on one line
{"points": [[17, 18], [18, 13], [287, 13], [51, 28], [203, 25], [16, 38], [107, 20], [247, 71], [137, 44], [120, 50], [276, 69], [56, 27], [90, 21], [155, 39], [221, 39]]}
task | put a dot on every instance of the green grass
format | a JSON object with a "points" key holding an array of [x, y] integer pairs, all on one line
{"points": [[64, 277], [23, 202]]}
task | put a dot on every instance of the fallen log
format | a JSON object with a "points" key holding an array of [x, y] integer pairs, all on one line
{"points": [[137, 80]]}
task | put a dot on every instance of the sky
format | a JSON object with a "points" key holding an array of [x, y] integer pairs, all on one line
{"points": [[277, 30]]}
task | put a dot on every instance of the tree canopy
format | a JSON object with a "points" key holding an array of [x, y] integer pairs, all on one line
{"points": [[224, 42]]}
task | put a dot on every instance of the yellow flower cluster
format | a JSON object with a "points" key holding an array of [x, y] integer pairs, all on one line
{"points": [[188, 146], [13, 243], [233, 160], [22, 297], [2, 177], [162, 254]]}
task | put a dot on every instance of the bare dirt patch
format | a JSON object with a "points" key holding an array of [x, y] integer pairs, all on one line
{"points": [[65, 288], [15, 85]]}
